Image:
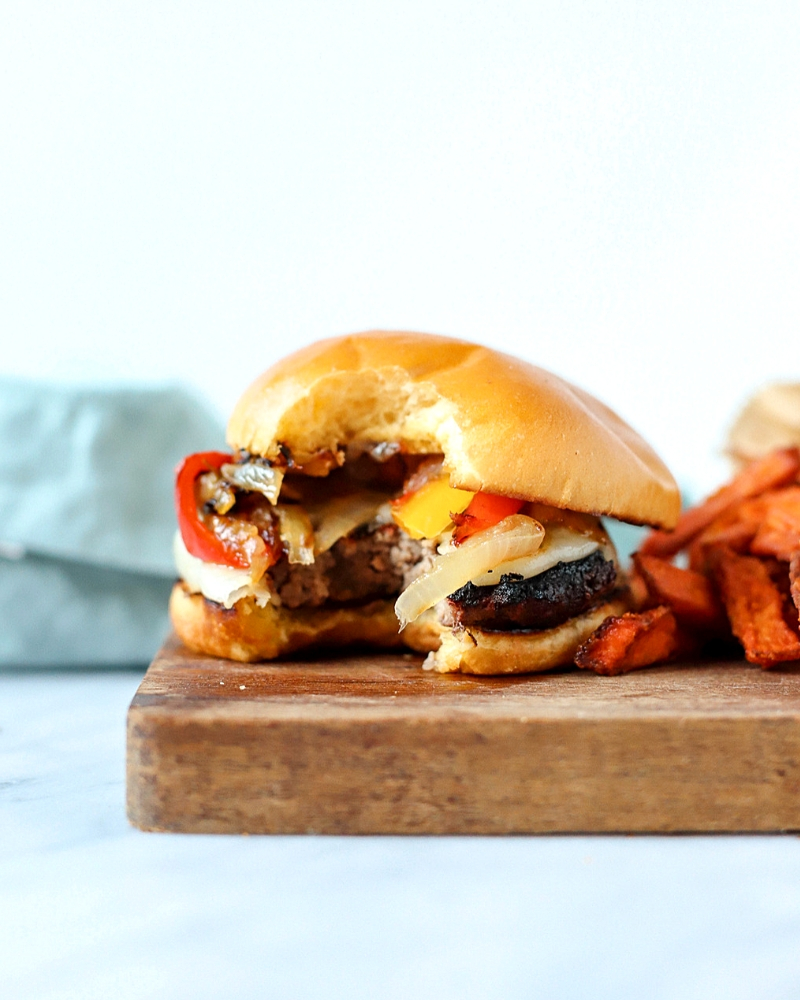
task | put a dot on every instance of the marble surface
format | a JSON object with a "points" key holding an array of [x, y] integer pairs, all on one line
{"points": [[92, 908]]}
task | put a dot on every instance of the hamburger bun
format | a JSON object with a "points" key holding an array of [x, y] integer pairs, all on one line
{"points": [[248, 632], [504, 426]]}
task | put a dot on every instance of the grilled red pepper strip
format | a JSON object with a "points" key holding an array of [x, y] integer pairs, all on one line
{"points": [[198, 538], [485, 510]]}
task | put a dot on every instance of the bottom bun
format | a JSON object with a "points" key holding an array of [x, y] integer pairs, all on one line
{"points": [[248, 633], [472, 651]]}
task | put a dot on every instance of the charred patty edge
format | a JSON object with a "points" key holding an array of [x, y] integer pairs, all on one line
{"points": [[535, 603]]}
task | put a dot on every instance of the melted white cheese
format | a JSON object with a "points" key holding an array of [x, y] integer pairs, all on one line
{"points": [[222, 584], [559, 545]]}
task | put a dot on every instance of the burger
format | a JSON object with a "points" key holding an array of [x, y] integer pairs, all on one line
{"points": [[410, 490]]}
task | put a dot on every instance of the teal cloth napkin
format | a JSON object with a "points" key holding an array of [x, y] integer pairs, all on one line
{"points": [[86, 486]]}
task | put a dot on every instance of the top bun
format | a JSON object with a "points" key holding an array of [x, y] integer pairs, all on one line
{"points": [[503, 425]]}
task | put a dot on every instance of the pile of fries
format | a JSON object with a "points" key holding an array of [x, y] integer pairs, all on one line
{"points": [[742, 546]]}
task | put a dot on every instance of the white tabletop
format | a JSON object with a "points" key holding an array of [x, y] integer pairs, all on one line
{"points": [[90, 907]]}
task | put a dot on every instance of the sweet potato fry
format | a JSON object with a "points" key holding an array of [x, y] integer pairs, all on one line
{"points": [[636, 639], [794, 579], [778, 534], [689, 595], [776, 469], [735, 529], [757, 609]]}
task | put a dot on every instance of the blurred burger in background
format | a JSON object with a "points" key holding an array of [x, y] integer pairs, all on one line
{"points": [[770, 419]]}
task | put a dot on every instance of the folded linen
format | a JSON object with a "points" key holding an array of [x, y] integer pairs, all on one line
{"points": [[85, 544]]}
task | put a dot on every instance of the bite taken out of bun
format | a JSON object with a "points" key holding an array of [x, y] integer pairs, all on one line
{"points": [[460, 485], [504, 426]]}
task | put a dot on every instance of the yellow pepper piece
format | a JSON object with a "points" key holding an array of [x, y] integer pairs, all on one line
{"points": [[426, 513]]}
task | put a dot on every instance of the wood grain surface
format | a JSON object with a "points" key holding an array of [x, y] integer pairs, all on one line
{"points": [[374, 744]]}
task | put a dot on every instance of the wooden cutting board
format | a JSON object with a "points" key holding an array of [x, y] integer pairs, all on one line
{"points": [[374, 744]]}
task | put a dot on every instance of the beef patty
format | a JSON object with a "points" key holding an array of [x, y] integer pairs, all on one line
{"points": [[539, 602], [375, 561]]}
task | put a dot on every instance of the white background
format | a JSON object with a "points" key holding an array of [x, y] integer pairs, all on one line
{"points": [[188, 190]]}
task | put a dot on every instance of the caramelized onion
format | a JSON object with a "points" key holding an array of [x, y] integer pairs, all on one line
{"points": [[559, 545], [213, 493], [297, 533], [244, 538], [335, 518], [511, 538], [256, 476]]}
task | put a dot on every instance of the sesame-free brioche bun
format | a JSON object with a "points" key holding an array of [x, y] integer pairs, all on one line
{"points": [[504, 426], [248, 633]]}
